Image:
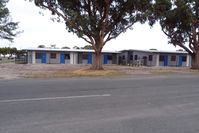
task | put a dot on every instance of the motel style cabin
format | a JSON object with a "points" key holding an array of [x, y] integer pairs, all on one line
{"points": [[68, 56], [131, 57], [154, 57]]}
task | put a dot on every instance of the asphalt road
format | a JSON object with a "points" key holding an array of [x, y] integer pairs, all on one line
{"points": [[159, 104]]}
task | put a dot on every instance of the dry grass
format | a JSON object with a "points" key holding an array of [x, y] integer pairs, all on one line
{"points": [[173, 70], [13, 71], [75, 73], [91, 73]]}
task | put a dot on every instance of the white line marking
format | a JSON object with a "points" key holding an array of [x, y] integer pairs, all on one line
{"points": [[53, 98]]}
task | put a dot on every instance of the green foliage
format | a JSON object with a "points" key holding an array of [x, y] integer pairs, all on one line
{"points": [[98, 21], [4, 51], [90, 19], [20, 53], [66, 47], [87, 47], [7, 27], [12, 51], [41, 46], [76, 47], [7, 50], [179, 20]]}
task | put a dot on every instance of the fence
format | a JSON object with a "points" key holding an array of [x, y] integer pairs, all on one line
{"points": [[4, 60]]}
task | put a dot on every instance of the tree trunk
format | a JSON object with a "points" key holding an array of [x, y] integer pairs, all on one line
{"points": [[97, 64], [195, 60]]}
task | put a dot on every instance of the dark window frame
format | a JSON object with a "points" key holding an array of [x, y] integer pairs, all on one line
{"points": [[136, 57], [110, 57], [173, 58], [131, 57], [184, 58], [53, 55], [150, 57], [38, 55], [161, 58], [84, 56], [123, 57], [67, 56]]}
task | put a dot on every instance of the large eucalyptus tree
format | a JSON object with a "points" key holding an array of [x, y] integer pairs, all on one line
{"points": [[179, 20], [97, 21]]}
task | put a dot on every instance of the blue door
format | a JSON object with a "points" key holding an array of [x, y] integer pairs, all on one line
{"points": [[180, 60], [165, 60], [89, 58], [43, 58], [105, 59], [62, 59]]}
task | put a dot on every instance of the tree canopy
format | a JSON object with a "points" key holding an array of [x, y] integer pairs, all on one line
{"points": [[65, 47], [7, 50], [87, 47], [98, 21], [41, 46], [7, 27], [179, 20]]}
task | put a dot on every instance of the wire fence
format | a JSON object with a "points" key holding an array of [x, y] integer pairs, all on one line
{"points": [[4, 60]]}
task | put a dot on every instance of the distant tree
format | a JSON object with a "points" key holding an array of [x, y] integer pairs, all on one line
{"points": [[98, 21], [153, 49], [1, 51], [53, 45], [12, 51], [41, 46], [4, 51], [87, 47], [179, 20], [76, 47], [7, 27], [20, 53], [65, 47]]}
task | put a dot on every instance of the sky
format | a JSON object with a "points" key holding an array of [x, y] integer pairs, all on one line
{"points": [[41, 30]]}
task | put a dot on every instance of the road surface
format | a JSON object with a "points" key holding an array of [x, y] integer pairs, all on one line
{"points": [[152, 104]]}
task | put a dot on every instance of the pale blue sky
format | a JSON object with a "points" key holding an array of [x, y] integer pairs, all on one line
{"points": [[40, 30]]}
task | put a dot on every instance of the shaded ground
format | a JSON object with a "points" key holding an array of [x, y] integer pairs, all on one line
{"points": [[13, 71]]}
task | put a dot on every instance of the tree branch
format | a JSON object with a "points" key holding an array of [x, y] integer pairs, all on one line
{"points": [[175, 42], [113, 37], [55, 11]]}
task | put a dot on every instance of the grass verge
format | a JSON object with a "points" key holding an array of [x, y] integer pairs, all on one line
{"points": [[75, 73]]}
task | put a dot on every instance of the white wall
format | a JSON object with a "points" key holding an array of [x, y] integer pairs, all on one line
{"points": [[73, 58], [33, 57]]}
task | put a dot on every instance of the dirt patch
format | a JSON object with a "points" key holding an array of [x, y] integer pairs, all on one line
{"points": [[15, 71], [88, 72]]}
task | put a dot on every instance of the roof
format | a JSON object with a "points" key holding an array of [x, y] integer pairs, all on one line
{"points": [[68, 50], [104, 51], [157, 51]]}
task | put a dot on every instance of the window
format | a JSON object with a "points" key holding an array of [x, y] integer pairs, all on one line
{"points": [[85, 56], [131, 57], [150, 57], [123, 57], [53, 55], [136, 57], [161, 58], [173, 58], [110, 57], [184, 58], [67, 56], [38, 55]]}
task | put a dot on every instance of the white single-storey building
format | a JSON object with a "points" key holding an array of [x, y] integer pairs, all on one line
{"points": [[125, 57], [155, 58], [68, 56]]}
